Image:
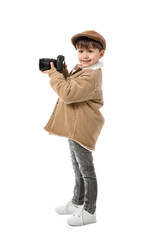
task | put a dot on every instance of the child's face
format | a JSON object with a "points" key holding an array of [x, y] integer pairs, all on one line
{"points": [[90, 56]]}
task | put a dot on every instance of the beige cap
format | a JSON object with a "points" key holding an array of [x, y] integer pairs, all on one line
{"points": [[90, 34]]}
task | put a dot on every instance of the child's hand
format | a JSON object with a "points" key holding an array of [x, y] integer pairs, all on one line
{"points": [[47, 71], [65, 66]]}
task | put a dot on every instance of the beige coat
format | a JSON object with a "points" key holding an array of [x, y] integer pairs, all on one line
{"points": [[76, 114]]}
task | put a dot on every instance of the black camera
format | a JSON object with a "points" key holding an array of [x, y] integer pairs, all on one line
{"points": [[44, 63]]}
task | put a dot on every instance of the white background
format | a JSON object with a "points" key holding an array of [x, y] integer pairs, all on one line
{"points": [[35, 169]]}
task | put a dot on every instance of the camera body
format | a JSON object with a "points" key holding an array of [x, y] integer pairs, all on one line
{"points": [[44, 63]]}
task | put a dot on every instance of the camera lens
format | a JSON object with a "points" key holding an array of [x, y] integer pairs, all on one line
{"points": [[41, 64], [44, 64]]}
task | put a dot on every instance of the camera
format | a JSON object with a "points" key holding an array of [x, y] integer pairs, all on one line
{"points": [[44, 63]]}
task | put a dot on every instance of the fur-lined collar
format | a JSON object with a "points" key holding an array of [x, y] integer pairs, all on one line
{"points": [[97, 65]]}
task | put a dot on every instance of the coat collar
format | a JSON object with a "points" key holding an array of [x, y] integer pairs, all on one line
{"points": [[78, 67], [97, 65]]}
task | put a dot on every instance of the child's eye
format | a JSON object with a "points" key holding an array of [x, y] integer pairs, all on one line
{"points": [[80, 51], [90, 51]]}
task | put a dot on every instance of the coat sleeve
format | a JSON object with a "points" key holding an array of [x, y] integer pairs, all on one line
{"points": [[72, 90]]}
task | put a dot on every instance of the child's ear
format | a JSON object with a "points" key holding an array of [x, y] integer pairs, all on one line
{"points": [[101, 54]]}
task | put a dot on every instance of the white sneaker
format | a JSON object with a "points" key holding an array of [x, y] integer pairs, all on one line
{"points": [[81, 217], [67, 209]]}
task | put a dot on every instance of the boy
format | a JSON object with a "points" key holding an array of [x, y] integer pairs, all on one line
{"points": [[76, 116]]}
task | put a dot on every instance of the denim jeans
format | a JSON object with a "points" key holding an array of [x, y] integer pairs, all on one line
{"points": [[85, 190]]}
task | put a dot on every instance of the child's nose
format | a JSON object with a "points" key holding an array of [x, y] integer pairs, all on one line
{"points": [[85, 55]]}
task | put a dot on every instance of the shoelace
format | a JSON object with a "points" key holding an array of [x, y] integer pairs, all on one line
{"points": [[79, 212]]}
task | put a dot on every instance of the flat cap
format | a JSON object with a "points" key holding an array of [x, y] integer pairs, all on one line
{"points": [[90, 34]]}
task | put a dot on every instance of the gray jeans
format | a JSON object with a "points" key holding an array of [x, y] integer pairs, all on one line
{"points": [[85, 190]]}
